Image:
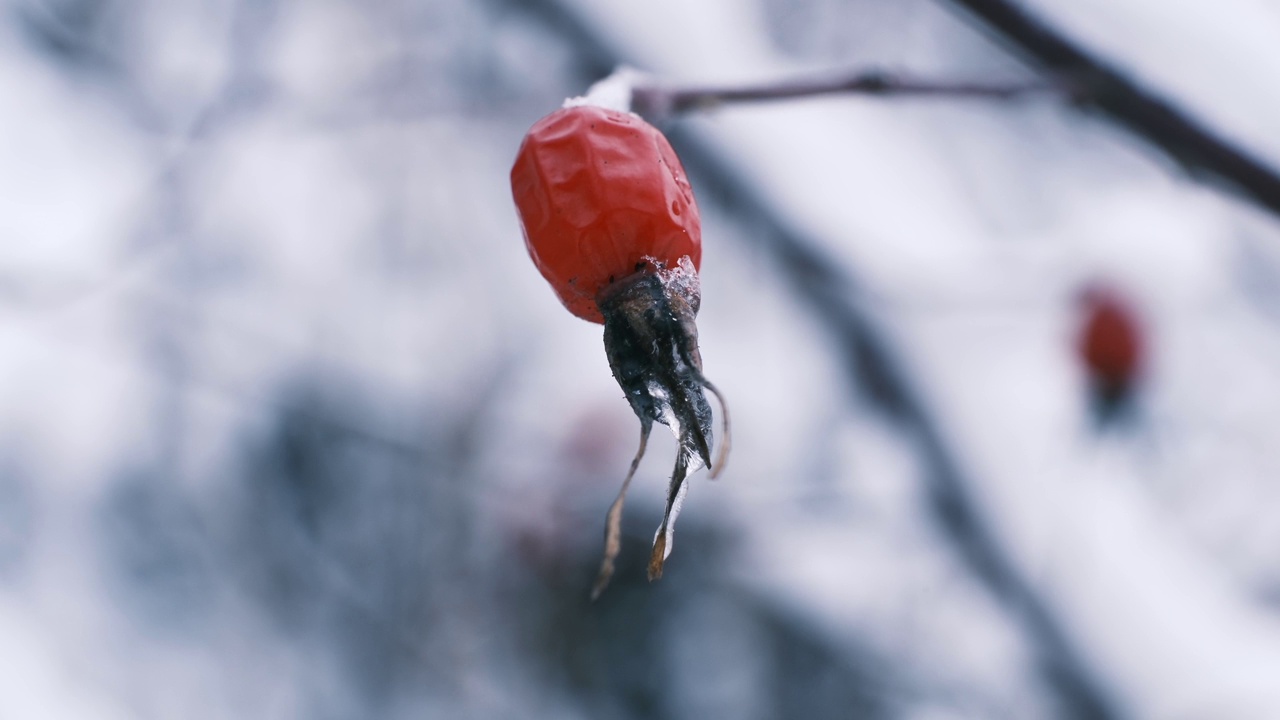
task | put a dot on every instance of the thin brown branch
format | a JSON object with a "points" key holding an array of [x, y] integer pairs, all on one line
{"points": [[655, 100]]}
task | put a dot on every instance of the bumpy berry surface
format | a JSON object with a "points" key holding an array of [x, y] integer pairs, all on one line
{"points": [[597, 191]]}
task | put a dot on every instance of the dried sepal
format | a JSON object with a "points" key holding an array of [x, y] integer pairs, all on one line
{"points": [[613, 521], [664, 538], [722, 457], [652, 343]]}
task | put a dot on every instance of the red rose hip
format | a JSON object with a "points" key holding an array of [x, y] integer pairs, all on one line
{"points": [[609, 219], [598, 191]]}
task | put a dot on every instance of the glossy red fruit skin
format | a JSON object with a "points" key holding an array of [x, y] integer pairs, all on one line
{"points": [[598, 190]]}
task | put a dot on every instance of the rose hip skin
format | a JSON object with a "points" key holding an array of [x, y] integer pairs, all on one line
{"points": [[598, 191]]}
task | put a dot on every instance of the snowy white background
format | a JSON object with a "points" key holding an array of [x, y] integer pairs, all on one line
{"points": [[291, 428]]}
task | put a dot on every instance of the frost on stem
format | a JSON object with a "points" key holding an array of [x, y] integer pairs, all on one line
{"points": [[614, 91], [652, 344]]}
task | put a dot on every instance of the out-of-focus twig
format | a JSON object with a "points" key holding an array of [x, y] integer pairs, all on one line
{"points": [[1197, 147], [656, 100]]}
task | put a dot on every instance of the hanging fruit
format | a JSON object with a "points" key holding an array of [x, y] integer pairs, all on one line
{"points": [[609, 219], [1111, 350]]}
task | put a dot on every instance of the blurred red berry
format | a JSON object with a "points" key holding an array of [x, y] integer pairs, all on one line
{"points": [[598, 191], [1111, 348]]}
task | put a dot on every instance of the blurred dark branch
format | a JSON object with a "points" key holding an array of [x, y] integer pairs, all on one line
{"points": [[873, 368], [1201, 151], [659, 101], [1071, 71]]}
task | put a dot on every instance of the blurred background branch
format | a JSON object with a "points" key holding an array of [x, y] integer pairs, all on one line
{"points": [[1201, 150]]}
